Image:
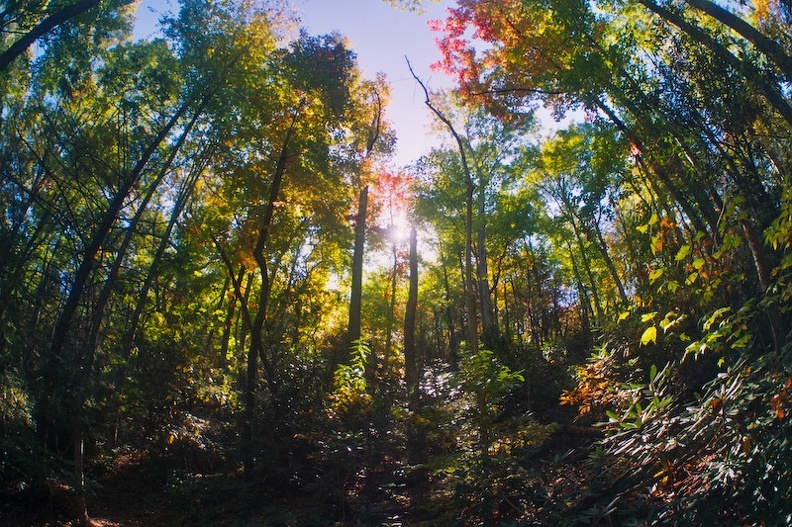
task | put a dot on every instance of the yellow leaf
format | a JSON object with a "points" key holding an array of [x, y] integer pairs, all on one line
{"points": [[655, 274], [648, 316], [650, 335]]}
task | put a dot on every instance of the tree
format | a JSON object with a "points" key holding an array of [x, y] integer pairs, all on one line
{"points": [[472, 317], [37, 23]]}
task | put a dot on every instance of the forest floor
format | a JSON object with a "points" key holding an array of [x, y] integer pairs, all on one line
{"points": [[138, 489], [134, 494]]}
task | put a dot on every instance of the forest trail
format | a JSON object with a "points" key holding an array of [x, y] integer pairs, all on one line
{"points": [[140, 491], [133, 493], [127, 497]]}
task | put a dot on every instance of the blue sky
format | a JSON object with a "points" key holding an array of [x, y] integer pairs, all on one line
{"points": [[381, 36]]}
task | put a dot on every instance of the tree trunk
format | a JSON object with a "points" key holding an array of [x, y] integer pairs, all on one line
{"points": [[233, 299], [99, 237], [761, 85], [488, 320], [470, 290], [54, 361], [391, 310], [128, 339], [256, 349], [356, 296], [410, 362], [416, 431], [769, 47], [453, 345], [45, 26]]}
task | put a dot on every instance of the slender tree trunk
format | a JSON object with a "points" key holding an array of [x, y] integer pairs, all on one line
{"points": [[453, 345], [391, 310], [356, 296], [45, 26], [229, 321], [603, 249], [769, 47], [410, 362], [651, 165], [416, 433], [585, 304], [488, 320], [243, 327], [99, 237], [248, 399], [63, 324], [128, 340], [257, 324], [761, 85], [470, 290]]}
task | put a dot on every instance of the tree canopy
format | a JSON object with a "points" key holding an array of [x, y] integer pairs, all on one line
{"points": [[223, 302]]}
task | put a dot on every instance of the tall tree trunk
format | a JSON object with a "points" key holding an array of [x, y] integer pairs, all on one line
{"points": [[391, 309], [769, 47], [410, 362], [470, 290], [54, 360], [128, 340], [698, 216], [599, 241], [45, 26], [751, 73], [416, 432], [99, 238], [356, 296], [233, 299], [453, 345], [256, 350], [488, 320]]}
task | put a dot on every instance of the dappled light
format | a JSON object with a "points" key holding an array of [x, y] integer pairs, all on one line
{"points": [[224, 302]]}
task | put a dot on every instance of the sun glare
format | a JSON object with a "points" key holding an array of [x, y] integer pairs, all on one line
{"points": [[399, 228]]}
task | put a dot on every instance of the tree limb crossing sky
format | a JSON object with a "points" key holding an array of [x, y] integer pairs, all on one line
{"points": [[382, 37]]}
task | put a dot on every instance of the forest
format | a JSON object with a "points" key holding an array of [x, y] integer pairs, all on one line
{"points": [[222, 303]]}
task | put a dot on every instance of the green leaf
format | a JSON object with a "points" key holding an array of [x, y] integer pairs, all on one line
{"points": [[650, 335], [714, 317], [743, 341], [698, 263], [652, 372], [683, 252], [654, 275]]}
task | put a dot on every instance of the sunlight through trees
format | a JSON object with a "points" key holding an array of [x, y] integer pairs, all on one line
{"points": [[222, 301]]}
